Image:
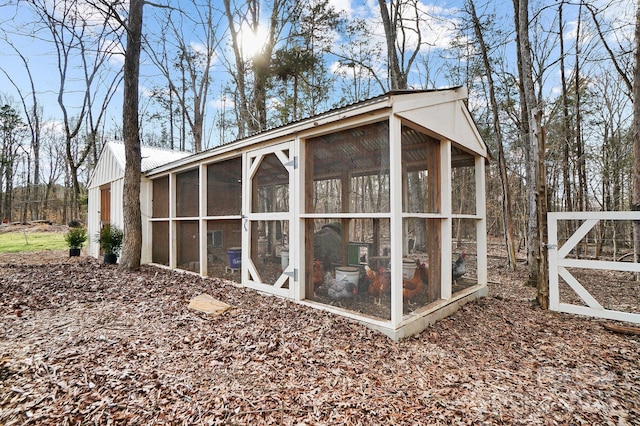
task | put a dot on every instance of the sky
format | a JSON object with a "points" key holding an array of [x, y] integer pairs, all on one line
{"points": [[39, 51], [17, 35]]}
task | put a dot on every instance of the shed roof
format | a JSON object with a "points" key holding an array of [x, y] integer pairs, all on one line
{"points": [[112, 161], [152, 157]]}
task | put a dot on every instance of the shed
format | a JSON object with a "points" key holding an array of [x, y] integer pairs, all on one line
{"points": [[385, 192], [106, 187]]}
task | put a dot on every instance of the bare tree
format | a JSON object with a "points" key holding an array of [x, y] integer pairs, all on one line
{"points": [[401, 21], [193, 61], [358, 57], [566, 171], [536, 188], [251, 75], [12, 130], [635, 202], [497, 130], [53, 168], [629, 73], [32, 114], [78, 34], [132, 214]]}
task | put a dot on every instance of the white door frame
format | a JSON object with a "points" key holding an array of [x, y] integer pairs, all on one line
{"points": [[252, 160]]}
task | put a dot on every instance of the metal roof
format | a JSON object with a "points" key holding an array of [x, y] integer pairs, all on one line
{"points": [[151, 157]]}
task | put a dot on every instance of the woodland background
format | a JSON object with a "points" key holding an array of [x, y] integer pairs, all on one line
{"points": [[213, 72]]}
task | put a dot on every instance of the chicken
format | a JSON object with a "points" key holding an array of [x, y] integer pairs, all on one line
{"points": [[380, 283], [459, 267], [365, 279], [317, 277], [412, 287], [338, 290]]}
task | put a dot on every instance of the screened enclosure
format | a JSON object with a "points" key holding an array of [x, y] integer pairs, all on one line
{"points": [[375, 212], [348, 177]]}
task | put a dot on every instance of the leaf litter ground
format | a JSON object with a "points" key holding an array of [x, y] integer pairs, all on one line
{"points": [[82, 343]]}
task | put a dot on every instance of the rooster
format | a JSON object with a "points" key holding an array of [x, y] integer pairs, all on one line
{"points": [[380, 283], [365, 279], [459, 267], [338, 290], [412, 287]]}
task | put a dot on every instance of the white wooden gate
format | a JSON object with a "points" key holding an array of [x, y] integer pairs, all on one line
{"points": [[559, 262]]}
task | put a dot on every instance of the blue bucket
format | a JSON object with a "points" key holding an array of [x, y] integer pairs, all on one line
{"points": [[235, 257]]}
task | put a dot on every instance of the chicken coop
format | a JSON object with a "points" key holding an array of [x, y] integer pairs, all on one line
{"points": [[374, 211]]}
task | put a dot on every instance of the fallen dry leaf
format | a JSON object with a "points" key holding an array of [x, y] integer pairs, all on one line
{"points": [[82, 343]]}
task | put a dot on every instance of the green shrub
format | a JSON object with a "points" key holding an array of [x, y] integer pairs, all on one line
{"points": [[76, 237], [110, 239]]}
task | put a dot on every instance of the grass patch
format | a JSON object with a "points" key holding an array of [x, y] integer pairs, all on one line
{"points": [[15, 242]]}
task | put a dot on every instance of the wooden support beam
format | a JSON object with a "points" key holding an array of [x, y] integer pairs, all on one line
{"points": [[434, 235], [308, 223], [346, 202]]}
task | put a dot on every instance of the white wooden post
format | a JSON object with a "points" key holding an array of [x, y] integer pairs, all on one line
{"points": [[552, 254], [395, 181], [172, 223], [446, 223], [297, 257], [246, 209], [204, 260], [481, 222]]}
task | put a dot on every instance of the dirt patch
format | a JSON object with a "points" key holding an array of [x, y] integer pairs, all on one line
{"points": [[82, 343]]}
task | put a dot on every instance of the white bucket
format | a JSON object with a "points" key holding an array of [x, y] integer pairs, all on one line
{"points": [[284, 259], [408, 268], [351, 273]]}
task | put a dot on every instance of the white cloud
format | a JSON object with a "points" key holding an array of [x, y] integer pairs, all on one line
{"points": [[53, 127], [223, 102], [274, 103], [148, 93], [342, 6], [437, 25], [115, 50]]}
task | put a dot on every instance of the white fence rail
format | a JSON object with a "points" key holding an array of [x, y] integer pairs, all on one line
{"points": [[558, 264]]}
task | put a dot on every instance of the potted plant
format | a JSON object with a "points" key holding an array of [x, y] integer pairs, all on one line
{"points": [[75, 239], [110, 241]]}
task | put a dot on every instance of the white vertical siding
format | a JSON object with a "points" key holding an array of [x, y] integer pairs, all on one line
{"points": [[117, 189], [93, 220], [107, 171]]}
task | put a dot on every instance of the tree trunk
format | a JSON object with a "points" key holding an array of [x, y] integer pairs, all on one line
{"points": [[636, 135], [502, 164], [240, 74], [390, 33], [132, 245], [566, 124], [581, 164], [536, 192]]}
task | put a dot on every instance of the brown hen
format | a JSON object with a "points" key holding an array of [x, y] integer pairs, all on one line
{"points": [[380, 284], [411, 288]]}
